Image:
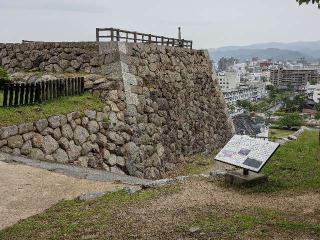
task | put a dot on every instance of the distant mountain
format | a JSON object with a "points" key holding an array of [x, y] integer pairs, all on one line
{"points": [[274, 50]]}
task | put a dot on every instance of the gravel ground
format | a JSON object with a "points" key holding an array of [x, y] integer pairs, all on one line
{"points": [[26, 191]]}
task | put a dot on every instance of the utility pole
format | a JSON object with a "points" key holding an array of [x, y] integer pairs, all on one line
{"points": [[179, 33]]}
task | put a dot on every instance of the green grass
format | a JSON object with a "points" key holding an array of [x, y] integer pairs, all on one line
{"points": [[256, 223], [295, 166], [72, 219], [279, 133], [197, 164], [64, 105]]}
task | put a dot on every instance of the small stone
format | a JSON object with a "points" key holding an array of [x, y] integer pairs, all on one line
{"points": [[90, 196], [80, 135], [67, 131], [49, 158], [63, 120], [6, 132], [50, 145], [25, 149], [57, 134], [120, 161], [84, 121], [36, 153], [116, 138], [28, 136], [74, 151], [91, 114], [72, 116], [112, 160], [83, 161], [93, 127], [64, 143], [3, 142], [25, 128], [102, 140], [16, 152], [61, 156], [6, 149], [100, 116], [41, 124], [15, 141], [37, 140], [47, 131]]}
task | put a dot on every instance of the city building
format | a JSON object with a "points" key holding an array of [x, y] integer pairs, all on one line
{"points": [[252, 92], [228, 80], [297, 79]]}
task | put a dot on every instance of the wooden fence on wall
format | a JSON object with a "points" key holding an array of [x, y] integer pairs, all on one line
{"points": [[117, 35], [18, 94]]}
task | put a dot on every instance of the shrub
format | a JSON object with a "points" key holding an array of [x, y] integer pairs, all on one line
{"points": [[291, 120], [4, 77], [317, 116]]}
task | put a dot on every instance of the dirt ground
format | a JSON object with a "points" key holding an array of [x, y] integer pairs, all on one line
{"points": [[203, 195], [26, 191]]}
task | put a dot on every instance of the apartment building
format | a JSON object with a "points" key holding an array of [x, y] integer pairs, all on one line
{"points": [[296, 78]]}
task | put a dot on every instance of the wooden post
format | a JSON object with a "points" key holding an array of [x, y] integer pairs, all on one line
{"points": [[16, 94], [111, 34], [97, 34], [82, 85], [37, 93], [135, 37], [47, 91], [26, 96], [31, 93], [5, 95], [118, 35], [22, 88], [149, 39]]}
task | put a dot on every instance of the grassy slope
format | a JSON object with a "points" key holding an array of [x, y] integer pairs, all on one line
{"points": [[16, 115], [295, 166]]}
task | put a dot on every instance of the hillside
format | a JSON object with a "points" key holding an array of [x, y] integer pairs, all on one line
{"points": [[274, 50]]}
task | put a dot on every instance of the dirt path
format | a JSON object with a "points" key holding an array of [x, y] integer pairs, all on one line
{"points": [[26, 191]]}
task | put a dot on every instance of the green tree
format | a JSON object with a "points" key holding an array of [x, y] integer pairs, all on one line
{"points": [[291, 120], [317, 116], [308, 1], [245, 104]]}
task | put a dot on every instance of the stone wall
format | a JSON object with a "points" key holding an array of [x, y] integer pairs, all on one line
{"points": [[76, 138], [162, 104], [51, 57]]}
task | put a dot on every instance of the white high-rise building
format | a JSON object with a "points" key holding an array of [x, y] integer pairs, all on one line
{"points": [[228, 80]]}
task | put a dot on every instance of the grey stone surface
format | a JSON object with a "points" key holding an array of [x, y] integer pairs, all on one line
{"points": [[50, 145], [80, 135], [61, 156], [41, 124], [6, 132], [15, 141]]}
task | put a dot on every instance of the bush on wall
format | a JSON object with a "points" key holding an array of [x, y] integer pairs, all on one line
{"points": [[4, 77]]}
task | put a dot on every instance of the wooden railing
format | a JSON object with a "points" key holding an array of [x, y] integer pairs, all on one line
{"points": [[117, 35], [17, 94]]}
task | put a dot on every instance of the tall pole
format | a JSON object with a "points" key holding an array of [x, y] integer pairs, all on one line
{"points": [[179, 33]]}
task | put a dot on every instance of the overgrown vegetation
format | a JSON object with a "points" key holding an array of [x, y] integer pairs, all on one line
{"points": [[4, 78], [64, 105]]}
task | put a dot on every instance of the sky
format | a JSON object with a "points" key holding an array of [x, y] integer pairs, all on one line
{"points": [[209, 23]]}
